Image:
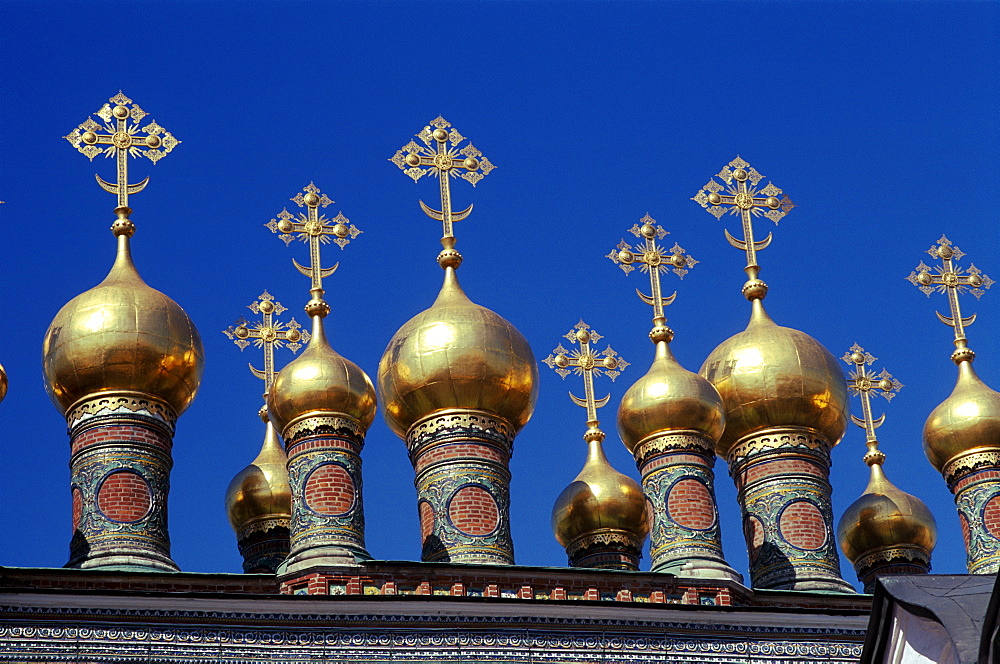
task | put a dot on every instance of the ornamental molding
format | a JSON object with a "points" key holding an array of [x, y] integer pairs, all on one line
{"points": [[259, 623], [675, 441], [961, 465], [262, 526], [477, 423], [785, 439], [120, 405], [889, 555], [616, 540], [335, 425]]}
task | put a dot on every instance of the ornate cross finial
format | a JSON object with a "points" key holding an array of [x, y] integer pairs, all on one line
{"points": [[863, 382], [316, 229], [586, 362], [124, 139], [439, 155], [952, 280], [654, 260], [741, 194], [267, 334]]}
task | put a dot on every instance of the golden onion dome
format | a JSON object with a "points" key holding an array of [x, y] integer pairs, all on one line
{"points": [[261, 491], [967, 420], [600, 499], [772, 376], [669, 398], [885, 517], [321, 381], [122, 335], [457, 354]]}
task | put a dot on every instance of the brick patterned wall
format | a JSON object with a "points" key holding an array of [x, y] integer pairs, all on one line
{"points": [[679, 485], [324, 473], [119, 472], [462, 478], [777, 467], [426, 520], [977, 497], [801, 524], [753, 530], [783, 489], [329, 490], [522, 583], [119, 434], [461, 450], [473, 511], [77, 508], [690, 504], [991, 516], [123, 496]]}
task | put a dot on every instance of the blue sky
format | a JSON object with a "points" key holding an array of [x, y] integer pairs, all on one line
{"points": [[878, 119]]}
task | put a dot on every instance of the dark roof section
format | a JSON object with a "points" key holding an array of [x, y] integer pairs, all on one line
{"points": [[989, 645], [957, 601]]}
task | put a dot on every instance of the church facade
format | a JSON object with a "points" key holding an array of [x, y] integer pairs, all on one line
{"points": [[457, 382]]}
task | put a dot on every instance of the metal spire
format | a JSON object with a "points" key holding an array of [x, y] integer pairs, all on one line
{"points": [[952, 279], [587, 363], [741, 194], [124, 139], [653, 260], [439, 155], [316, 229], [863, 382], [268, 334]]}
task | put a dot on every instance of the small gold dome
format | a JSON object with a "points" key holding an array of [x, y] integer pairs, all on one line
{"points": [[771, 376], [669, 398], [968, 419], [600, 499], [885, 517], [122, 335], [457, 354], [261, 491], [321, 381]]}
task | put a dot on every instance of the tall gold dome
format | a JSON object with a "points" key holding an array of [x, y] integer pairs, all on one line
{"points": [[457, 354], [600, 500], [770, 375], [969, 419], [261, 492], [885, 518], [319, 381], [122, 335], [669, 398]]}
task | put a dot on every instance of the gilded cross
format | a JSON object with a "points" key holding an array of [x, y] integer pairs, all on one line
{"points": [[123, 139], [864, 382], [951, 279], [314, 228], [268, 334], [586, 362], [740, 193], [652, 259], [439, 155]]}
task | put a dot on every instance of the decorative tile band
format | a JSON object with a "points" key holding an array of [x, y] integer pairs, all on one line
{"points": [[390, 642], [324, 473], [264, 544], [119, 481], [975, 482], [462, 479], [891, 561], [782, 480], [679, 484]]}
